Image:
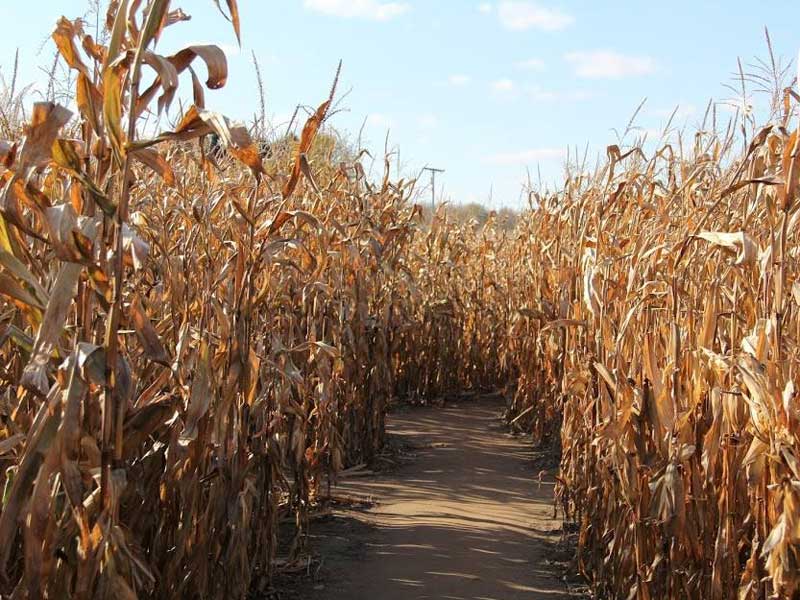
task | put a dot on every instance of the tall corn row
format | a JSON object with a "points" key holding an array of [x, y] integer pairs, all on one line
{"points": [[455, 334], [191, 350], [662, 329], [189, 353]]}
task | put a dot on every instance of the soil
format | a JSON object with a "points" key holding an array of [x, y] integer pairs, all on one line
{"points": [[458, 510]]}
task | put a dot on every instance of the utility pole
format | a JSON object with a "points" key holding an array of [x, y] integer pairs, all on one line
{"points": [[433, 186]]}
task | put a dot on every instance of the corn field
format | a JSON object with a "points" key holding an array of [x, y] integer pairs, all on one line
{"points": [[188, 350], [193, 347], [665, 304]]}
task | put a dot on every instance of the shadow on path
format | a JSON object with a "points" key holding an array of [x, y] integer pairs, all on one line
{"points": [[466, 519]]}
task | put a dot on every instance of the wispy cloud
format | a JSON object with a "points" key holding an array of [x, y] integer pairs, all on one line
{"points": [[652, 133], [485, 7], [531, 64], [372, 10], [526, 157], [540, 94], [681, 112], [459, 80], [428, 121], [379, 121], [522, 16], [502, 85], [607, 64], [742, 106]]}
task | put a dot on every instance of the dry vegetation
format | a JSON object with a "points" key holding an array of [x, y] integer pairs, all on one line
{"points": [[663, 316], [187, 350], [191, 350]]}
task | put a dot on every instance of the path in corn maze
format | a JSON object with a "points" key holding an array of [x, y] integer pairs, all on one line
{"points": [[463, 517]]}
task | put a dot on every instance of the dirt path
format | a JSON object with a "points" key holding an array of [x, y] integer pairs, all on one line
{"points": [[464, 519]]}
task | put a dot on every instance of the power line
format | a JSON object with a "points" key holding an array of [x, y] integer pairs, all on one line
{"points": [[433, 186]]}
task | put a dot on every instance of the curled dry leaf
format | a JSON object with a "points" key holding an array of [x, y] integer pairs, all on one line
{"points": [[740, 243], [306, 139], [47, 119], [64, 289], [157, 163], [212, 56], [200, 396], [148, 337]]}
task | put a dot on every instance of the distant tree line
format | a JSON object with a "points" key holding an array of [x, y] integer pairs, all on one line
{"points": [[506, 218]]}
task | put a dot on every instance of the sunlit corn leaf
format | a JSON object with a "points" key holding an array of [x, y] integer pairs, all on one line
{"points": [[36, 373], [47, 119], [200, 396], [740, 243], [146, 333], [306, 139]]}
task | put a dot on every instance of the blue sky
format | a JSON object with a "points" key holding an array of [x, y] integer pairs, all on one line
{"points": [[484, 90]]}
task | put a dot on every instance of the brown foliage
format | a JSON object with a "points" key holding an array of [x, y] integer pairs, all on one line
{"points": [[187, 355], [662, 333]]}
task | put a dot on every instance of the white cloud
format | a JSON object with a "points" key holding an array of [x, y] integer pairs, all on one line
{"points": [[681, 112], [607, 64], [459, 80], [230, 50], [428, 121], [281, 120], [540, 94], [652, 133], [379, 121], [744, 107], [373, 10], [485, 7], [503, 85], [521, 16], [532, 64], [525, 157]]}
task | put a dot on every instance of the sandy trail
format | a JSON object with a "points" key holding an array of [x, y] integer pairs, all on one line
{"points": [[465, 519]]}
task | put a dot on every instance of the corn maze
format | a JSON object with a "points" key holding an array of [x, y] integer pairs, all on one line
{"points": [[191, 354]]}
